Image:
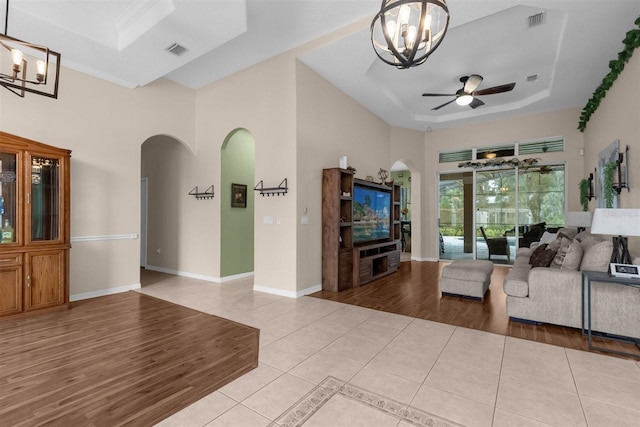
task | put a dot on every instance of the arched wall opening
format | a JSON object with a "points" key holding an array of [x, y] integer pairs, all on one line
{"points": [[405, 173], [163, 180], [237, 204]]}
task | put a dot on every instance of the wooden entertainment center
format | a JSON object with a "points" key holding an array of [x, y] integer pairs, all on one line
{"points": [[347, 263]]}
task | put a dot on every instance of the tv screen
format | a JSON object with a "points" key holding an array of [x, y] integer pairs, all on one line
{"points": [[371, 214]]}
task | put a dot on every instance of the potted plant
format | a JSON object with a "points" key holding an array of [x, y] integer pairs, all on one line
{"points": [[584, 194]]}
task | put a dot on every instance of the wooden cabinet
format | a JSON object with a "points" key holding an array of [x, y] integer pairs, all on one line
{"points": [[34, 226], [337, 232], [345, 264]]}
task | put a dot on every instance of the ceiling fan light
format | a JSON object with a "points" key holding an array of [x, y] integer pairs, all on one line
{"points": [[464, 99]]}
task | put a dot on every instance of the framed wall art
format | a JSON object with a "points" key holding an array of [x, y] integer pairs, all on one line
{"points": [[238, 196]]}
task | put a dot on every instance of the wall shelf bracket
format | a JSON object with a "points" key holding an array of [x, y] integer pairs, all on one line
{"points": [[280, 189], [207, 194]]}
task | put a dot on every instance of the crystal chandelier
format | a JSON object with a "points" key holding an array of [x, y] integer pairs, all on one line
{"points": [[405, 32]]}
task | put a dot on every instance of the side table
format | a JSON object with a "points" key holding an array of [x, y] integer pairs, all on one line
{"points": [[597, 276]]}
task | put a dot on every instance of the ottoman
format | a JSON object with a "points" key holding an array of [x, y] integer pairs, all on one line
{"points": [[466, 277]]}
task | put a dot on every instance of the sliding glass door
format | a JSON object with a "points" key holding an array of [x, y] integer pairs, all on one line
{"points": [[489, 213]]}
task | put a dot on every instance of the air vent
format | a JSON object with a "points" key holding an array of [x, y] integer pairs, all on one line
{"points": [[535, 20], [533, 77], [176, 49]]}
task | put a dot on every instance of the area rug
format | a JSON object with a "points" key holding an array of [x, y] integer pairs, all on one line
{"points": [[330, 387]]}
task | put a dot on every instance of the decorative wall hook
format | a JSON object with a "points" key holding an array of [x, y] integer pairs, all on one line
{"points": [[208, 193], [280, 189], [622, 171], [590, 194]]}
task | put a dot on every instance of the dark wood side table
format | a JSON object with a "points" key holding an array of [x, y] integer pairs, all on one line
{"points": [[596, 276]]}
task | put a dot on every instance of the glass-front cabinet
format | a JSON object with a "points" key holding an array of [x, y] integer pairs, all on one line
{"points": [[34, 215]]}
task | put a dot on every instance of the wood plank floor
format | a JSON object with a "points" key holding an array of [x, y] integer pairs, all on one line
{"points": [[125, 359], [413, 291]]}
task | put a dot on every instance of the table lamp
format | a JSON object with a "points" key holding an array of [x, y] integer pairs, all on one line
{"points": [[617, 222], [580, 219]]}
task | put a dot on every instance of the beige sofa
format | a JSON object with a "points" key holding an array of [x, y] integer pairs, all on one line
{"points": [[552, 295]]}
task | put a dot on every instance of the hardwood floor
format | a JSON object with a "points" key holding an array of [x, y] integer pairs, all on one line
{"points": [[413, 291], [125, 359]]}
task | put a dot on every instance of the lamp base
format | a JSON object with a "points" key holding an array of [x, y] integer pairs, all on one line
{"points": [[620, 253]]}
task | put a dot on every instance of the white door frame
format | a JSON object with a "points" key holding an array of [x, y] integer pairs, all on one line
{"points": [[144, 203]]}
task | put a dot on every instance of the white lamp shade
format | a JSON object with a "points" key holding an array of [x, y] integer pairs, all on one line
{"points": [[578, 218], [620, 222]]}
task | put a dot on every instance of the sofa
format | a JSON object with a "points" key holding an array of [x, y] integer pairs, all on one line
{"points": [[552, 294]]}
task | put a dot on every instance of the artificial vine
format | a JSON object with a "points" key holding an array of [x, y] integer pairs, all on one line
{"points": [[584, 194], [607, 183], [631, 42]]}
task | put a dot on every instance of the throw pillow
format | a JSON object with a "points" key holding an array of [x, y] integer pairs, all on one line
{"points": [[597, 257], [541, 256], [548, 237], [567, 232], [561, 242], [568, 257]]}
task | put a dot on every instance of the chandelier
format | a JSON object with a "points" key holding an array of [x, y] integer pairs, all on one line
{"points": [[405, 32], [27, 67]]}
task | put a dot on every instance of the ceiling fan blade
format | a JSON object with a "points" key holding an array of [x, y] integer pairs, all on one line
{"points": [[476, 103], [438, 94], [472, 83], [443, 105], [495, 89]]}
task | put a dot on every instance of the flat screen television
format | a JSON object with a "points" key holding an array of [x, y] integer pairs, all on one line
{"points": [[371, 213]]}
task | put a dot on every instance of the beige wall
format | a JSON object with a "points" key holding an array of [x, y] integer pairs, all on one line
{"points": [[329, 125], [618, 117], [104, 125], [557, 123]]}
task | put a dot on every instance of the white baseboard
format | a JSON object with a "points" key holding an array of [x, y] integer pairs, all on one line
{"points": [[199, 276], [103, 292], [288, 294], [183, 273], [236, 277], [424, 259]]}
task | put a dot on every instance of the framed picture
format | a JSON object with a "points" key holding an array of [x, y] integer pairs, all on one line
{"points": [[238, 196]]}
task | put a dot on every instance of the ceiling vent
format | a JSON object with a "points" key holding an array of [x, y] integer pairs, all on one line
{"points": [[535, 20], [176, 49], [533, 77]]}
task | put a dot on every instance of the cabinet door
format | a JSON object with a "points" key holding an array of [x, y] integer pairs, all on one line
{"points": [[9, 198], [45, 279], [10, 290], [45, 199]]}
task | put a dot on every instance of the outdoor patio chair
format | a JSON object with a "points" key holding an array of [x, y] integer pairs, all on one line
{"points": [[496, 245]]}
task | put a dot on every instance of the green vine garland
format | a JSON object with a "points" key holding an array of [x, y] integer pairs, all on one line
{"points": [[607, 183], [584, 194], [631, 42]]}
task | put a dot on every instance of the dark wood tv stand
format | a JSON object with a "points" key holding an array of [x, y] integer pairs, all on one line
{"points": [[345, 264], [371, 262]]}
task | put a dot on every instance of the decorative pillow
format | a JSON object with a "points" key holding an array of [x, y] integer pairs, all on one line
{"points": [[567, 232], [568, 257], [541, 256], [548, 237], [561, 241], [597, 257]]}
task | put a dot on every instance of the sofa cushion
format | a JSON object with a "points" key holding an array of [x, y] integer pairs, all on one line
{"points": [[541, 256], [597, 256], [568, 257]]}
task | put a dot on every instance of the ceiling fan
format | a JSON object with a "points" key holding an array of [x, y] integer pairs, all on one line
{"points": [[467, 95]]}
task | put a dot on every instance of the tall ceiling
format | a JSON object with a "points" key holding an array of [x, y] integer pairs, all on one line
{"points": [[555, 65]]}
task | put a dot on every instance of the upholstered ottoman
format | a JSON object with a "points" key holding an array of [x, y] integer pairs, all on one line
{"points": [[467, 277]]}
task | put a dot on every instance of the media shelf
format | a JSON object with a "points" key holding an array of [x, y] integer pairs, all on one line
{"points": [[345, 265], [374, 261]]}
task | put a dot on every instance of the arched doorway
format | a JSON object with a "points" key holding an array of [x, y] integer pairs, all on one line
{"points": [[404, 172], [237, 204]]}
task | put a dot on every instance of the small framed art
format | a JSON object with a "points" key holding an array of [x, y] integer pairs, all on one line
{"points": [[238, 196]]}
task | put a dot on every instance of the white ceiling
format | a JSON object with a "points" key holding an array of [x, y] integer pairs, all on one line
{"points": [[124, 41]]}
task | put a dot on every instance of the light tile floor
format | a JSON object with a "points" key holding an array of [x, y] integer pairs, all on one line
{"points": [[372, 368]]}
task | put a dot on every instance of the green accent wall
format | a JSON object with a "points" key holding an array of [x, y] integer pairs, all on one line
{"points": [[236, 224]]}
